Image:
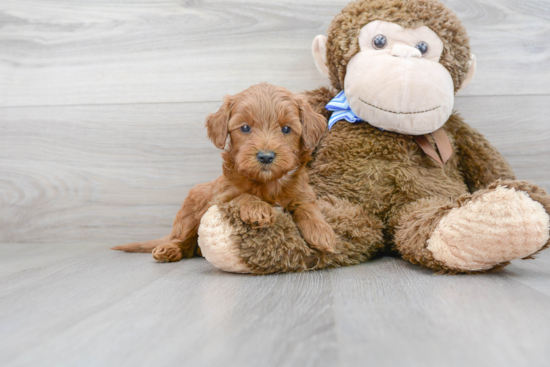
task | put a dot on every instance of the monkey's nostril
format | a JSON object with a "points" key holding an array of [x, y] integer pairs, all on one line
{"points": [[265, 157]]}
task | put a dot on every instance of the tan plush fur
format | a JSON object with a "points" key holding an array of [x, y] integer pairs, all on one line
{"points": [[380, 192], [476, 235], [216, 241], [343, 33], [264, 111]]}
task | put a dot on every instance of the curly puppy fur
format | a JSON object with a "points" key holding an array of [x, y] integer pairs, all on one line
{"points": [[253, 120]]}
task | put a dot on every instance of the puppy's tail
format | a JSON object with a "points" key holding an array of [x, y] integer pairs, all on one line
{"points": [[146, 246]]}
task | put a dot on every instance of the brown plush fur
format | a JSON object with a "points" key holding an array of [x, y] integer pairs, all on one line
{"points": [[280, 247], [255, 186], [377, 189], [380, 193]]}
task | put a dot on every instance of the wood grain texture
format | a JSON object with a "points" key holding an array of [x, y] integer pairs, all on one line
{"points": [[22, 257], [119, 173], [396, 312], [105, 308], [95, 310], [91, 172], [519, 126], [61, 52], [532, 273]]}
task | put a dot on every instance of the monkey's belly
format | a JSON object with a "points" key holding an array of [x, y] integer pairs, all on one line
{"points": [[378, 186], [380, 170]]}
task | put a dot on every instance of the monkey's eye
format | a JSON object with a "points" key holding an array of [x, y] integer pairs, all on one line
{"points": [[245, 129], [379, 41], [422, 47], [286, 130]]}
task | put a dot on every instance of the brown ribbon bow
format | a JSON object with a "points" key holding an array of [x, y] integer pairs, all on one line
{"points": [[441, 141]]}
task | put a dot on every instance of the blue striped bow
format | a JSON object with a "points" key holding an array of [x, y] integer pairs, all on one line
{"points": [[340, 110]]}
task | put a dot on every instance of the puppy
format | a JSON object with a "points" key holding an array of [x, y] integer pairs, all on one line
{"points": [[272, 134]]}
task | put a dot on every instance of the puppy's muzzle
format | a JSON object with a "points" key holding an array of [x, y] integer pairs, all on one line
{"points": [[265, 157]]}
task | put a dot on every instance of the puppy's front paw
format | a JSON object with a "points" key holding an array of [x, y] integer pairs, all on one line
{"points": [[167, 252], [257, 214], [318, 235]]}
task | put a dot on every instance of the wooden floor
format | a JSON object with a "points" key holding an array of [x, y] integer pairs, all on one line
{"points": [[102, 108], [88, 306]]}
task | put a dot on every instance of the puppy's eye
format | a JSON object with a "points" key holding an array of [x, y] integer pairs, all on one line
{"points": [[286, 130], [379, 42], [422, 47], [245, 129]]}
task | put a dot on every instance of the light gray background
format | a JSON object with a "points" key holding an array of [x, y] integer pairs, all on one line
{"points": [[102, 103]]}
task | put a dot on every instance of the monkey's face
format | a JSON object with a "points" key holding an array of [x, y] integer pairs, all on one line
{"points": [[394, 79], [396, 82]]}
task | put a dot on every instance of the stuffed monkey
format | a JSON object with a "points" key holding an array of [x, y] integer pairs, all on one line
{"points": [[398, 172]]}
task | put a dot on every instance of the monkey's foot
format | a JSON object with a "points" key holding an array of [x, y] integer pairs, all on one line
{"points": [[492, 228], [217, 245]]}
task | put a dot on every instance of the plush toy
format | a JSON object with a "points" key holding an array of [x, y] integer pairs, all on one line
{"points": [[399, 172]]}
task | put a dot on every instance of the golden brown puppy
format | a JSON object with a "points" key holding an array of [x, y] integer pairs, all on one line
{"points": [[271, 136]]}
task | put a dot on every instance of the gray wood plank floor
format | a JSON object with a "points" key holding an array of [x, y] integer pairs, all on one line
{"points": [[88, 306]]}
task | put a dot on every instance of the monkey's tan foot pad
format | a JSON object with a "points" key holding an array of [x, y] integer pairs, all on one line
{"points": [[216, 240], [498, 226], [167, 252]]}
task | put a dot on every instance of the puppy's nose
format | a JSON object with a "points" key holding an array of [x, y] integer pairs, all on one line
{"points": [[265, 157]]}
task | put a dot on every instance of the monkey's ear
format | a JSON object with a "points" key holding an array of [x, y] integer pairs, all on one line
{"points": [[313, 124], [319, 50], [470, 75], [217, 123]]}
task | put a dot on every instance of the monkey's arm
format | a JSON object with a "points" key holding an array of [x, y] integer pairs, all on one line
{"points": [[479, 161]]}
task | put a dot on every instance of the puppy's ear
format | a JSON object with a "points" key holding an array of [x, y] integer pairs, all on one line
{"points": [[313, 124], [217, 123]]}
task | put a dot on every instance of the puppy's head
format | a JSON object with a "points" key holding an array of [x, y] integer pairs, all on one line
{"points": [[269, 129]]}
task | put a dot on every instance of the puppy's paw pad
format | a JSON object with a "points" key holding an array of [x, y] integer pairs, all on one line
{"points": [[167, 252]]}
